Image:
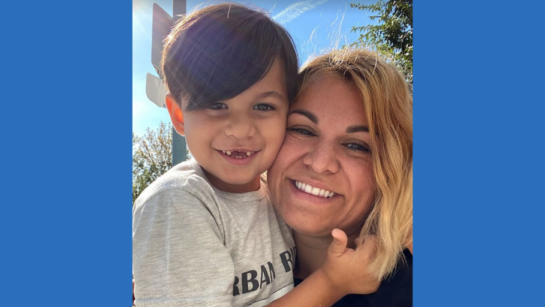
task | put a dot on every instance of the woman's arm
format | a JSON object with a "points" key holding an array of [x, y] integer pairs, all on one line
{"points": [[344, 272]]}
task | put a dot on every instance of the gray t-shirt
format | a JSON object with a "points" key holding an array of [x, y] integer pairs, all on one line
{"points": [[194, 245]]}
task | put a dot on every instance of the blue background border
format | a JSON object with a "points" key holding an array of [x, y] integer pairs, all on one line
{"points": [[478, 138], [66, 218]]}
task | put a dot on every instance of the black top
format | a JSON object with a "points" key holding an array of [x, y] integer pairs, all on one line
{"points": [[395, 291]]}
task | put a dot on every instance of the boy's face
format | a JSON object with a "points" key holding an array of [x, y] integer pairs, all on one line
{"points": [[236, 140]]}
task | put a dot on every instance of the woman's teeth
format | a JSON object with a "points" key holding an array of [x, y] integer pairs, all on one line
{"points": [[312, 190], [238, 154]]}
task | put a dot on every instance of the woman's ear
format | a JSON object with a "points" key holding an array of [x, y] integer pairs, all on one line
{"points": [[176, 115]]}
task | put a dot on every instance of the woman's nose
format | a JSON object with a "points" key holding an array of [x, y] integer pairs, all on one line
{"points": [[322, 158]]}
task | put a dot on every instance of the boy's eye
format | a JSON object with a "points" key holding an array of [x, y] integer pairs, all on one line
{"points": [[218, 106], [358, 147], [263, 107]]}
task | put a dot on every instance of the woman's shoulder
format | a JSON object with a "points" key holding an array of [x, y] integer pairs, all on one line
{"points": [[395, 291]]}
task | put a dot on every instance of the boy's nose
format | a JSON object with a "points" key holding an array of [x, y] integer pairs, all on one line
{"points": [[240, 127]]}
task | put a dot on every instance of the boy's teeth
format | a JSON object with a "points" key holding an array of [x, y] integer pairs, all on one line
{"points": [[313, 190], [238, 154], [228, 152]]}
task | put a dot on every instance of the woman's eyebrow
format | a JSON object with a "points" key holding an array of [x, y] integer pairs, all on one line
{"points": [[307, 114], [353, 129]]}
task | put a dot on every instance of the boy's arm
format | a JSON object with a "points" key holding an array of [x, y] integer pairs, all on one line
{"points": [[316, 290], [344, 272], [179, 258]]}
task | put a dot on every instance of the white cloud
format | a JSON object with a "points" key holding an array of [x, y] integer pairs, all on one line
{"points": [[293, 11]]}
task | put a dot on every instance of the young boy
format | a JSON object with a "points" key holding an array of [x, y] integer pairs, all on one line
{"points": [[205, 233]]}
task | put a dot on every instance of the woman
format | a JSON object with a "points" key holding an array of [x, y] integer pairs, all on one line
{"points": [[346, 162]]}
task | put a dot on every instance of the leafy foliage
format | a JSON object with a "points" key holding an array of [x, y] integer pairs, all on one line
{"points": [[392, 36], [152, 157]]}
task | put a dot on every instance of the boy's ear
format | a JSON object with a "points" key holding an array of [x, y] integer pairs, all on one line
{"points": [[176, 114]]}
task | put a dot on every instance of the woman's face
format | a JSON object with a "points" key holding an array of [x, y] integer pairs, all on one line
{"points": [[327, 151]]}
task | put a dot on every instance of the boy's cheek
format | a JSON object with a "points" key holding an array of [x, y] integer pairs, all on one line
{"points": [[279, 140]]}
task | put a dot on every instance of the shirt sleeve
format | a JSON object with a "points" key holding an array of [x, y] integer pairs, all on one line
{"points": [[179, 256]]}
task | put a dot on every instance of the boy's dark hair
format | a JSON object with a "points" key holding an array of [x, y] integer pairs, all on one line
{"points": [[220, 51]]}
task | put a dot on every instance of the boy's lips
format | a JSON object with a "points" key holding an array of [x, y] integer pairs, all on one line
{"points": [[238, 157], [239, 153]]}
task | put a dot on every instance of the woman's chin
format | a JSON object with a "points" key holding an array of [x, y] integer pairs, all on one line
{"points": [[313, 227]]}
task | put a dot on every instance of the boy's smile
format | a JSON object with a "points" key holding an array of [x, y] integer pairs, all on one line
{"points": [[236, 140], [238, 157]]}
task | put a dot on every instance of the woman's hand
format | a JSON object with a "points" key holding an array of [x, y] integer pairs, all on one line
{"points": [[346, 268]]}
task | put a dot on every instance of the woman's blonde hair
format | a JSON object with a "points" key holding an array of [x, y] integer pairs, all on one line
{"points": [[388, 106]]}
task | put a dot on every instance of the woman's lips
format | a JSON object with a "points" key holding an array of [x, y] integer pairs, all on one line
{"points": [[307, 188], [309, 192]]}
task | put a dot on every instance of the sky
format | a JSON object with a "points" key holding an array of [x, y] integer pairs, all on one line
{"points": [[316, 27]]}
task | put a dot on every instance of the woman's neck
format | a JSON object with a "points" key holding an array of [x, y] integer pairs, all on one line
{"points": [[312, 252]]}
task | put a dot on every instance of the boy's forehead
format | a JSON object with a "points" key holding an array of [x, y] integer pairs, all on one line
{"points": [[275, 77], [272, 85]]}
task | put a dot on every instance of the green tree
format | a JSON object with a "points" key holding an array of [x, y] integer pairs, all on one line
{"points": [[392, 35], [152, 157]]}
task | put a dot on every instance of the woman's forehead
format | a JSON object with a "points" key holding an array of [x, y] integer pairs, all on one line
{"points": [[331, 98]]}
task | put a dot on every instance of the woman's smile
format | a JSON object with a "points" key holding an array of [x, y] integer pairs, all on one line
{"points": [[307, 188]]}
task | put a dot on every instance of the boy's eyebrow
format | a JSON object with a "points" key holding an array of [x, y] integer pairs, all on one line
{"points": [[305, 113], [353, 129], [269, 94]]}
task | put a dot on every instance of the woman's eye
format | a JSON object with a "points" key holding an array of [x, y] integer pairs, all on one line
{"points": [[358, 147], [302, 131], [218, 106], [263, 107]]}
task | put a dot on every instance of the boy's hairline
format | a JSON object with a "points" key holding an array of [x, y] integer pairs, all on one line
{"points": [[194, 100], [285, 99]]}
